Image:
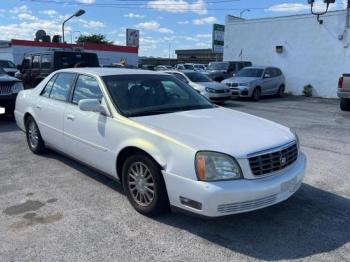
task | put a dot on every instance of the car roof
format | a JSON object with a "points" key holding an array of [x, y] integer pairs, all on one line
{"points": [[106, 71]]}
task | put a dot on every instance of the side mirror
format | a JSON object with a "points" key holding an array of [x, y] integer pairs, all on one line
{"points": [[92, 105], [267, 76]]}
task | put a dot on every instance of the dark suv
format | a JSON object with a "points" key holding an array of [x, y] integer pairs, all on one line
{"points": [[9, 88], [35, 67], [219, 71]]}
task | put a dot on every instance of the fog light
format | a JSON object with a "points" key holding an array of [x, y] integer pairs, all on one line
{"points": [[190, 203]]}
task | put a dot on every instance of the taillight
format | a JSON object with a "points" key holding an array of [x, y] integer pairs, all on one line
{"points": [[340, 82]]}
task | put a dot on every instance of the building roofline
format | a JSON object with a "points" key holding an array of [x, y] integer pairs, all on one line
{"points": [[307, 15], [89, 46]]}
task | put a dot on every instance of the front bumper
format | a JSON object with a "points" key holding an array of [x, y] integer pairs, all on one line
{"points": [[236, 196], [241, 91], [8, 101], [217, 96], [343, 94]]}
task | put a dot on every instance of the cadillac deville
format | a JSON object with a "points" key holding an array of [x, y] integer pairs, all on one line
{"points": [[166, 144]]}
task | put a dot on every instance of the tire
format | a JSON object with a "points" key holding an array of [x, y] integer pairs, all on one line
{"points": [[280, 92], [345, 104], [256, 94], [35, 142], [136, 189]]}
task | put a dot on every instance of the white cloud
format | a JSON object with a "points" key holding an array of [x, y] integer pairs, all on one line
{"points": [[202, 44], [86, 1], [91, 24], [50, 13], [179, 6], [26, 16], [205, 20], [20, 9], [204, 35], [154, 26], [132, 15], [298, 7], [186, 22]]}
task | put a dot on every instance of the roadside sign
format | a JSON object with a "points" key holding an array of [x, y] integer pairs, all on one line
{"points": [[218, 38], [132, 37]]}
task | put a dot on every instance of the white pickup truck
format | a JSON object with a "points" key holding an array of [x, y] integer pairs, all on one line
{"points": [[344, 92]]}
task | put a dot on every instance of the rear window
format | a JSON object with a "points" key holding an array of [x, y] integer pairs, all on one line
{"points": [[73, 59], [7, 64]]}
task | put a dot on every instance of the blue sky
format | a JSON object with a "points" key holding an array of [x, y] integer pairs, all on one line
{"points": [[180, 23]]}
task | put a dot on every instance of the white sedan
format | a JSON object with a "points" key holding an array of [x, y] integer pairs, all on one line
{"points": [[168, 145]]}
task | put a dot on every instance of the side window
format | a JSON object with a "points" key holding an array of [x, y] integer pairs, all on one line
{"points": [[45, 61], [268, 71], [47, 90], [36, 61], [61, 86], [26, 62], [86, 87]]}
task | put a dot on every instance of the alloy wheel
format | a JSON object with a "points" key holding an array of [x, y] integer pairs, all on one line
{"points": [[141, 184], [33, 134]]}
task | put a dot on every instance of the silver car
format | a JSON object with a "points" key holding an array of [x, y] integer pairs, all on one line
{"points": [[255, 82], [214, 91]]}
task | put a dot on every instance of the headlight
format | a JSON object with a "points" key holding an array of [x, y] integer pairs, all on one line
{"points": [[210, 90], [244, 84], [18, 86], [212, 166]]}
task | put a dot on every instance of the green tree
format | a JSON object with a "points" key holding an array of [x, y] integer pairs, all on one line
{"points": [[93, 38]]}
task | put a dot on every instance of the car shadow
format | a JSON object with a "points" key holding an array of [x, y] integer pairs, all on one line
{"points": [[313, 221], [7, 123]]}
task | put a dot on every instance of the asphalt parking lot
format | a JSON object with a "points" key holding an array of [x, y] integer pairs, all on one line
{"points": [[55, 209]]}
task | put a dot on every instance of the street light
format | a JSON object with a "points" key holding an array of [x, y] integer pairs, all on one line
{"points": [[244, 10], [76, 14]]}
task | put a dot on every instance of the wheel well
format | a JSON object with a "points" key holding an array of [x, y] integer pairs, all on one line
{"points": [[283, 85], [125, 153], [26, 116], [258, 87]]}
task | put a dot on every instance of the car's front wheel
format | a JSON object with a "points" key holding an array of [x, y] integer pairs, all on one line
{"points": [[35, 142], [144, 185], [345, 104], [256, 94], [281, 91]]}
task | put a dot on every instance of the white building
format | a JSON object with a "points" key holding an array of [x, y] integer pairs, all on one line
{"points": [[15, 49], [306, 51]]}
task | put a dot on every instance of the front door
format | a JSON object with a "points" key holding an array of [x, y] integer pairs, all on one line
{"points": [[86, 134]]}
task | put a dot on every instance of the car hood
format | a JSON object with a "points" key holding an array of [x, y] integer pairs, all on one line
{"points": [[219, 129], [213, 85], [240, 79], [4, 78]]}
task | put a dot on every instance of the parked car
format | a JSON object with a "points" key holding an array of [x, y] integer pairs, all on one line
{"points": [[167, 144], [199, 67], [148, 67], [9, 67], [255, 82], [162, 67], [212, 90], [120, 65], [36, 66], [344, 92], [219, 71], [9, 88]]}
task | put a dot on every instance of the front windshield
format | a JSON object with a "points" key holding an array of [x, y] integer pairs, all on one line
{"points": [[140, 95], [250, 72], [2, 71], [218, 66], [197, 77], [7, 64]]}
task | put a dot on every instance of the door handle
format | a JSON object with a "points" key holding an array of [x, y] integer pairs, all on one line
{"points": [[70, 117], [38, 106]]}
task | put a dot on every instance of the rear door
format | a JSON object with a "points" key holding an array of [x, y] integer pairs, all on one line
{"points": [[50, 107]]}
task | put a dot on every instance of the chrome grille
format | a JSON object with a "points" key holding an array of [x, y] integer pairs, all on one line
{"points": [[232, 84], [273, 161], [6, 88]]}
